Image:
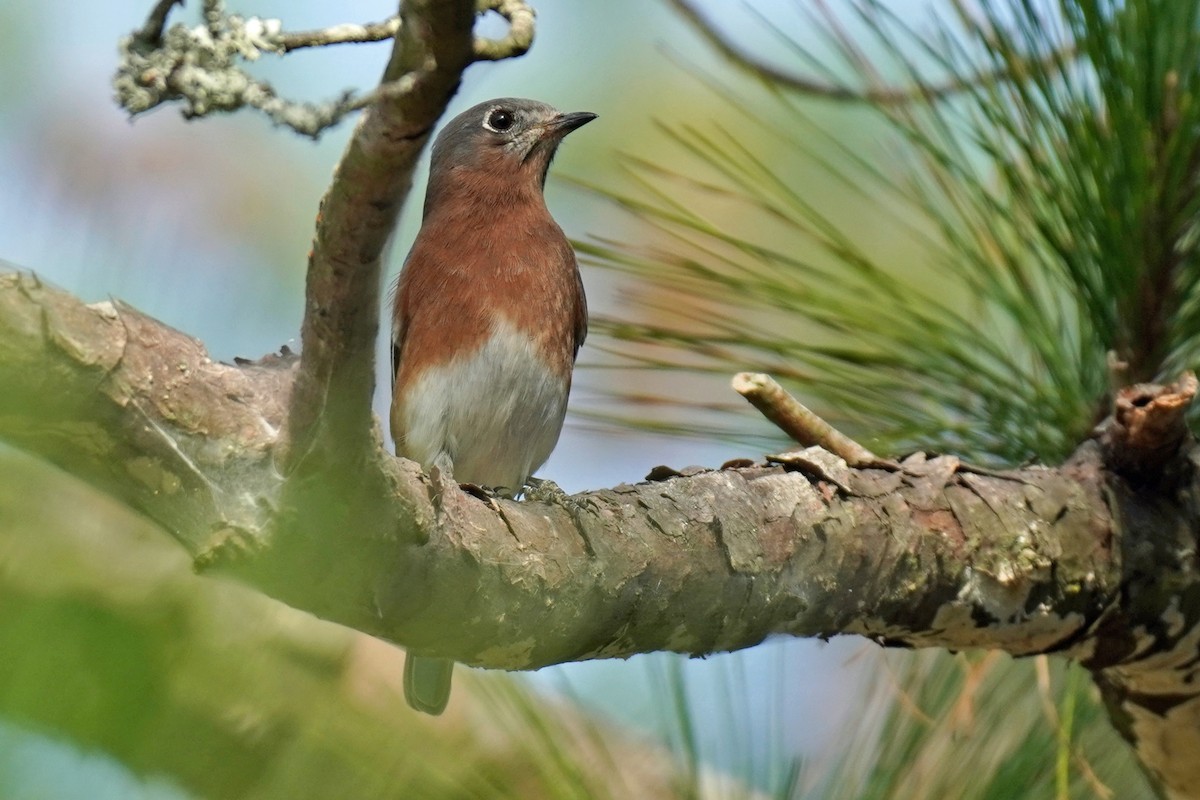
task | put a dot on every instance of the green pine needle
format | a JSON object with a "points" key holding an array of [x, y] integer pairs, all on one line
{"points": [[1049, 216]]}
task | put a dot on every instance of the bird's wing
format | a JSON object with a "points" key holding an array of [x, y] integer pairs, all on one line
{"points": [[395, 362], [581, 314], [398, 323]]}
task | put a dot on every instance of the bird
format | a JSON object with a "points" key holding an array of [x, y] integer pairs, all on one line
{"points": [[488, 315]]}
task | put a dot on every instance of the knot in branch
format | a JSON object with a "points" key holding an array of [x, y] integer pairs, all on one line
{"points": [[1148, 432]]}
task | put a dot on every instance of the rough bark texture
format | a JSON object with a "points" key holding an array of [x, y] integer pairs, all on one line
{"points": [[112, 642], [328, 451], [331, 407], [1075, 559]]}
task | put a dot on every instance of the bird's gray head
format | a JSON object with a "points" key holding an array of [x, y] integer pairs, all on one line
{"points": [[507, 137]]}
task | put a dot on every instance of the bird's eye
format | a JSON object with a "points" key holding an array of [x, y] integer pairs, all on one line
{"points": [[499, 120]]}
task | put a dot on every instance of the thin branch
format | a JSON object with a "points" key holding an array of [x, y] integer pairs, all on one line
{"points": [[202, 69], [519, 39], [346, 33], [150, 36], [830, 91], [796, 420]]}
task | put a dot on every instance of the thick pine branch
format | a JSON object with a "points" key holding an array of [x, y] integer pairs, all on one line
{"points": [[1069, 559]]}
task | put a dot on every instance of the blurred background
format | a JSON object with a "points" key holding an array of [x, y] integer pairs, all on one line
{"points": [[205, 225]]}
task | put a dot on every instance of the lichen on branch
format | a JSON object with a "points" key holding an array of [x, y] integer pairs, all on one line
{"points": [[203, 67]]}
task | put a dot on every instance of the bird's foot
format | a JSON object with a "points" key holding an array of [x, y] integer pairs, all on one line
{"points": [[489, 496], [543, 490]]}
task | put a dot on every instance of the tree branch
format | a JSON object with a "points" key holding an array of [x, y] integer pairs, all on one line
{"points": [[330, 447], [1072, 560], [797, 421], [95, 581], [519, 39], [330, 413], [201, 68], [887, 96], [1148, 426], [151, 34], [346, 33], [779, 545]]}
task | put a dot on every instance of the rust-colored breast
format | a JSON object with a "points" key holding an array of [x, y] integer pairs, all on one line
{"points": [[473, 260]]}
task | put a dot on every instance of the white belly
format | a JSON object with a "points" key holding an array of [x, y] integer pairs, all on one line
{"points": [[496, 413]]}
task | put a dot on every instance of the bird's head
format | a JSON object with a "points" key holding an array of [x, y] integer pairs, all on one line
{"points": [[508, 139]]}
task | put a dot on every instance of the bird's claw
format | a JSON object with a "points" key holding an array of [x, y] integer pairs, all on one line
{"points": [[543, 490], [489, 496]]}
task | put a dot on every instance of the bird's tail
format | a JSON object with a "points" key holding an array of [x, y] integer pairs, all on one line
{"points": [[427, 683]]}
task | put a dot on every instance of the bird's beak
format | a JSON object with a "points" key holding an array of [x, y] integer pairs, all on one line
{"points": [[546, 137], [563, 124]]}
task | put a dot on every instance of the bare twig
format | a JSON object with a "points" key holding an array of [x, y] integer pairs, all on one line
{"points": [[829, 91], [346, 33], [797, 421]]}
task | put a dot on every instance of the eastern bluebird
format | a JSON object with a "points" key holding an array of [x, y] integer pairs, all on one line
{"points": [[488, 316]]}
